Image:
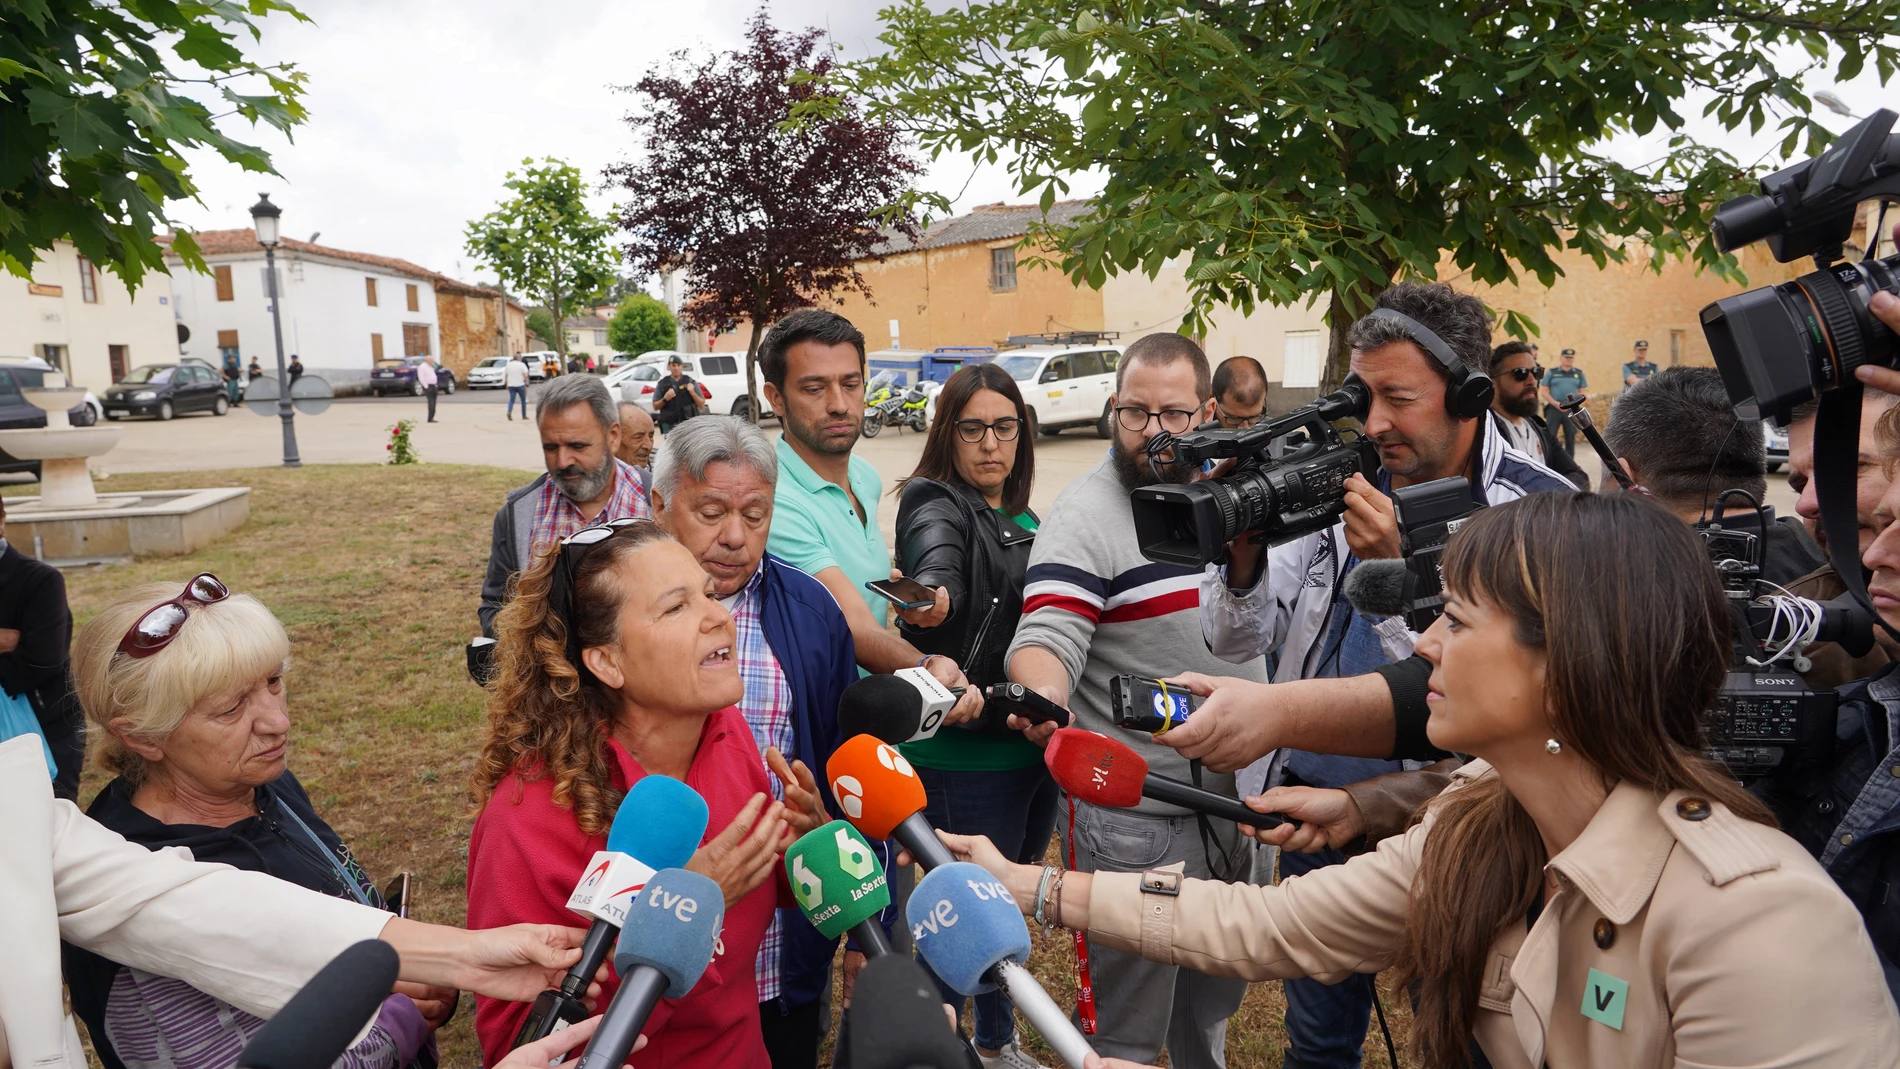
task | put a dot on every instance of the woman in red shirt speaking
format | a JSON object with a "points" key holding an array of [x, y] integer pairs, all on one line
{"points": [[615, 661]]}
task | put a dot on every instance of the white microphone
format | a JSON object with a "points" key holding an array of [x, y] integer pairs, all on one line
{"points": [[905, 706]]}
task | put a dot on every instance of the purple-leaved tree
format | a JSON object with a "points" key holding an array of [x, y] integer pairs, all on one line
{"points": [[766, 212]]}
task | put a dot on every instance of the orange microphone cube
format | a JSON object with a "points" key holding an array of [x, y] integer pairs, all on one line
{"points": [[874, 785]]}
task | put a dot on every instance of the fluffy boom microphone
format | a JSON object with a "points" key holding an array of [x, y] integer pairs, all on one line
{"points": [[316, 1026], [968, 927], [666, 943], [883, 798], [839, 885], [904, 706], [658, 826], [1379, 587], [1105, 772]]}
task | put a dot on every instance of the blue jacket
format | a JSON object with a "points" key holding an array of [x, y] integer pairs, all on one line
{"points": [[808, 634]]}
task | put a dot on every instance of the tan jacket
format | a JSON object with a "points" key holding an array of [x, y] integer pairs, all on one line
{"points": [[1680, 935], [244, 937]]}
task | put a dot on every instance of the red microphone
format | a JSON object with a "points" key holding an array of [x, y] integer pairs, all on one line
{"points": [[1106, 772], [883, 798]]}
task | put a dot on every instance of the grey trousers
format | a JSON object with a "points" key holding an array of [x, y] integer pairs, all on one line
{"points": [[1140, 1005]]}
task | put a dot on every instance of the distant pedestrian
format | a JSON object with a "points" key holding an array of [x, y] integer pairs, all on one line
{"points": [[1640, 368], [233, 380], [296, 369], [425, 374], [36, 631], [573, 365], [256, 370], [590, 363], [677, 397], [515, 377], [1563, 384]]}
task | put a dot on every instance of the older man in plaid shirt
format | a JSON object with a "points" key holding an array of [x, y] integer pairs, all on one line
{"points": [[713, 483]]}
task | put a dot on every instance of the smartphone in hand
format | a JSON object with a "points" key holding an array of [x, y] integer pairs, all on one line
{"points": [[903, 592], [396, 894]]}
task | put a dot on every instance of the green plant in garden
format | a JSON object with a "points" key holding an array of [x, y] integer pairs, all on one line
{"points": [[401, 447], [544, 241], [95, 121], [641, 324], [541, 325], [1319, 149]]}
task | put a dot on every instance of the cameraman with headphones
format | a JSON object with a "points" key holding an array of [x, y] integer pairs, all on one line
{"points": [[1423, 354]]}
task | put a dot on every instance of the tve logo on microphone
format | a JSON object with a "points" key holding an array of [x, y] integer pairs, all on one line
{"points": [[681, 905]]}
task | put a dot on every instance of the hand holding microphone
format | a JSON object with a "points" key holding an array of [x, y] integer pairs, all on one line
{"points": [[1106, 772], [667, 941]]}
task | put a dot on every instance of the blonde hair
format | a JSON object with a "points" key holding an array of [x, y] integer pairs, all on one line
{"points": [[220, 646]]}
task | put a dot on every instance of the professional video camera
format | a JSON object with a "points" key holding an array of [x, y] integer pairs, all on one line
{"points": [[1303, 489], [1780, 345], [1766, 718]]}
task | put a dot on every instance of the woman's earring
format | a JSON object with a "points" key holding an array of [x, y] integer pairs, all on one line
{"points": [[1553, 747]]}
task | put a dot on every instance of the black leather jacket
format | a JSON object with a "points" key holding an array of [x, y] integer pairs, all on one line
{"points": [[948, 536]]}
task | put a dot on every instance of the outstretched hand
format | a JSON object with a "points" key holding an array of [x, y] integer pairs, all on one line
{"points": [[1328, 818], [743, 856], [804, 806], [1230, 730]]}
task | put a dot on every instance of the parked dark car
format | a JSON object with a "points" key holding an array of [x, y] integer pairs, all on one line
{"points": [[399, 376], [166, 390], [27, 373]]}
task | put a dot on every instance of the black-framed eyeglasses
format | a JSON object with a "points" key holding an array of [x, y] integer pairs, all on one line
{"points": [[1519, 374], [1135, 420], [162, 622], [1005, 429], [1232, 422]]}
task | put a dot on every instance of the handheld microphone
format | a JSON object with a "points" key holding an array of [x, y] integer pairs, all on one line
{"points": [[658, 826], [839, 885], [883, 798], [1105, 772], [897, 1019], [905, 706], [667, 942], [318, 1023], [1378, 587], [988, 949]]}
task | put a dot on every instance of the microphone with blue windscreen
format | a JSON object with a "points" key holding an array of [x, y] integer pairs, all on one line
{"points": [[667, 941], [659, 825], [318, 1023], [971, 930]]}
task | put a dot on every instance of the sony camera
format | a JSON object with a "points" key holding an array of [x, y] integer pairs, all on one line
{"points": [[1290, 480], [1780, 345]]}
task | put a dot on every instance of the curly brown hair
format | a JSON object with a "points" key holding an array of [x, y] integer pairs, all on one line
{"points": [[547, 717]]}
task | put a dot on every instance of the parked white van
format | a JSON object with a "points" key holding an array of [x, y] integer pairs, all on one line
{"points": [[723, 375]]}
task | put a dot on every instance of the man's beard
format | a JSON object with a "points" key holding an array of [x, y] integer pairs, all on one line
{"points": [[579, 484], [808, 434], [1134, 471], [1522, 405]]}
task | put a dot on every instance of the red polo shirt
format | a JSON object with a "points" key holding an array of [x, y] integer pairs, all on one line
{"points": [[526, 855]]}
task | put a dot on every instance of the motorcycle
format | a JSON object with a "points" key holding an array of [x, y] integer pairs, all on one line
{"points": [[888, 404]]}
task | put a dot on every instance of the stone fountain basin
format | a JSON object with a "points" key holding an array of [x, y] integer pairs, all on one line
{"points": [[59, 443], [54, 398]]}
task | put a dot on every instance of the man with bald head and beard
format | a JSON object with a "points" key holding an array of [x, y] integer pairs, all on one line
{"points": [[585, 484]]}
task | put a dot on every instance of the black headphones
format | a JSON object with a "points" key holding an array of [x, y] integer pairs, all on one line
{"points": [[1468, 393]]}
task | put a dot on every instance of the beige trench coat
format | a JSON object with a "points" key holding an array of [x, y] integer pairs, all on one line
{"points": [[1680, 935]]}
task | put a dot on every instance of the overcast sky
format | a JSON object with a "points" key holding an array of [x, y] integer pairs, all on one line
{"points": [[418, 108]]}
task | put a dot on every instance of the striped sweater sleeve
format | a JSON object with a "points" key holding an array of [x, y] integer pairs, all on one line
{"points": [[1064, 596]]}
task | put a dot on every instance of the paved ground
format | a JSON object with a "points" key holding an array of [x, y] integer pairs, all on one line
{"points": [[471, 429]]}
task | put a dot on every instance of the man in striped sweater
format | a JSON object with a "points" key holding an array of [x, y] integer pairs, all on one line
{"points": [[1093, 608]]}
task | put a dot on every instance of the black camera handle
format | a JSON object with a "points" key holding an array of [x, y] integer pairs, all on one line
{"points": [[1836, 469]]}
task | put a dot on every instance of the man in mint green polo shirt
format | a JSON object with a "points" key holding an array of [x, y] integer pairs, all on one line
{"points": [[824, 511]]}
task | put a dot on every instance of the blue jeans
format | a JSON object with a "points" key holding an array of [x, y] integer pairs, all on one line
{"points": [[1017, 810], [518, 393]]}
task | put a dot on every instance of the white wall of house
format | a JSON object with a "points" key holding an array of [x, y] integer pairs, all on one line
{"points": [[1282, 339], [328, 321], [51, 318]]}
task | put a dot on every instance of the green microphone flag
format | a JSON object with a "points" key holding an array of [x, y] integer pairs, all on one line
{"points": [[836, 878]]}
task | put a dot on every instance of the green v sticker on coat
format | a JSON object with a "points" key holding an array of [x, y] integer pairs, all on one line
{"points": [[1605, 998]]}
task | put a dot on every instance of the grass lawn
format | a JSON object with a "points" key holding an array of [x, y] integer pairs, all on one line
{"points": [[376, 572]]}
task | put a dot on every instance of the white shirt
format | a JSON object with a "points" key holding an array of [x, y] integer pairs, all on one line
{"points": [[1523, 436], [516, 375]]}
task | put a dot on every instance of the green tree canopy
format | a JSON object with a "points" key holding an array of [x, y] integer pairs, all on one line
{"points": [[541, 324], [544, 241], [94, 123], [641, 324], [1319, 150]]}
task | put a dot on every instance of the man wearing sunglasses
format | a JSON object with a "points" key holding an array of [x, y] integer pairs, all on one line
{"points": [[1516, 375]]}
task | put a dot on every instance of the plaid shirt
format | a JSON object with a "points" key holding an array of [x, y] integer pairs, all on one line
{"points": [[555, 517], [767, 707]]}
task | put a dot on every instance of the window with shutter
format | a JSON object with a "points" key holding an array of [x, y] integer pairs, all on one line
{"points": [[414, 305], [375, 340], [120, 359], [1002, 270], [223, 275], [369, 289], [227, 339], [415, 339], [88, 282]]}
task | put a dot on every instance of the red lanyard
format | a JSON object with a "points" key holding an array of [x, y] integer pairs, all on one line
{"points": [[1085, 988]]}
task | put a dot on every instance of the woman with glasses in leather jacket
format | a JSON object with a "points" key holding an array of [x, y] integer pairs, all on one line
{"points": [[964, 524]]}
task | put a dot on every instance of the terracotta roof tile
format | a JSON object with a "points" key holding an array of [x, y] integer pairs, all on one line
{"points": [[991, 222]]}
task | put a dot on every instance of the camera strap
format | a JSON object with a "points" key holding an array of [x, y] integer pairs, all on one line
{"points": [[1836, 471]]}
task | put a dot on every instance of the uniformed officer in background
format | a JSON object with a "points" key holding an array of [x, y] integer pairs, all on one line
{"points": [[1563, 384]]}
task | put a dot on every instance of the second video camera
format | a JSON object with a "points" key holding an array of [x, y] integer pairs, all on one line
{"points": [[1290, 480]]}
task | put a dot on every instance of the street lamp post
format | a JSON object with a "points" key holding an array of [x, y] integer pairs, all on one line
{"points": [[264, 217]]}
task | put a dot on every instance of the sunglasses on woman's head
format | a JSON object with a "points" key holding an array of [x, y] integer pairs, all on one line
{"points": [[161, 623], [1521, 373]]}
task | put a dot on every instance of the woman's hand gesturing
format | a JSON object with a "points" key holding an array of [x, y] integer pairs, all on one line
{"points": [[744, 856], [804, 806]]}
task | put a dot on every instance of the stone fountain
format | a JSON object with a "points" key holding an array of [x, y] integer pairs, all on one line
{"points": [[70, 522]]}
